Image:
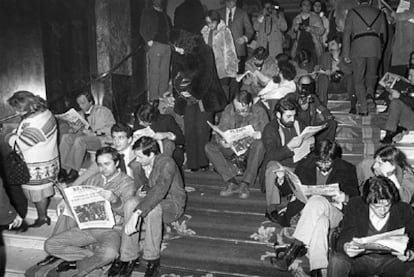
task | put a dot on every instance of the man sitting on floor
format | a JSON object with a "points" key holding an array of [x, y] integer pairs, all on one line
{"points": [[241, 112], [73, 146], [72, 245]]}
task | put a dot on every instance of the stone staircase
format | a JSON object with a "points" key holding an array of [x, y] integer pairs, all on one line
{"points": [[214, 236]]}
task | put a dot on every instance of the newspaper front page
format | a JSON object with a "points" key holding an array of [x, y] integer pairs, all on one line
{"points": [[76, 121]]}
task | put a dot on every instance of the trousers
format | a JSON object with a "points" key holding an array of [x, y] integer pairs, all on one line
{"points": [[399, 114], [219, 157], [365, 79], [158, 69]]}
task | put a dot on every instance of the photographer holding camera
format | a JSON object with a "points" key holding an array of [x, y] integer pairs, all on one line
{"points": [[270, 26]]}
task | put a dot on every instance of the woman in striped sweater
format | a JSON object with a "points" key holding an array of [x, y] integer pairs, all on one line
{"points": [[36, 139]]}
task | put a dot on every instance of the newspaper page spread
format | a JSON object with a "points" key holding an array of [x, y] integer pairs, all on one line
{"points": [[88, 207], [308, 140], [395, 240], [76, 121], [303, 192], [239, 139]]}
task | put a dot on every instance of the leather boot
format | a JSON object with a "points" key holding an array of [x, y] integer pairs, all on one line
{"points": [[316, 273], [353, 104], [290, 255]]}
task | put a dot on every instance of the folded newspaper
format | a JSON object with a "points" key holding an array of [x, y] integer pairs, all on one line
{"points": [[392, 241], [75, 119], [240, 139], [88, 207], [303, 192]]}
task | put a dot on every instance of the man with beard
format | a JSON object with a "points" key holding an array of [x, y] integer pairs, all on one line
{"points": [[336, 74], [241, 112], [280, 139]]}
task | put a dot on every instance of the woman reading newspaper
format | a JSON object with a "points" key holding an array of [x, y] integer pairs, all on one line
{"points": [[379, 210]]}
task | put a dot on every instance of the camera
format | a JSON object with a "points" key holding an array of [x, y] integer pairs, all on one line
{"points": [[301, 27], [336, 77]]}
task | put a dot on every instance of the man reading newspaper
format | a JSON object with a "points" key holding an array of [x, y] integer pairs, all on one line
{"points": [[320, 212], [240, 112], [379, 210], [74, 245]]}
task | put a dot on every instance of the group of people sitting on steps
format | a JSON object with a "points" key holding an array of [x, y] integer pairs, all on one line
{"points": [[214, 77]]}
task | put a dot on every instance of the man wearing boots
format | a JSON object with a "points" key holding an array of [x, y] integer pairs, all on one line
{"points": [[162, 200], [335, 74], [241, 112], [73, 146], [363, 39], [319, 214]]}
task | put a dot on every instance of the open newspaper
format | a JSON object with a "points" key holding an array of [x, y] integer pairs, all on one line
{"points": [[76, 121], [397, 82], [303, 192], [392, 241], [240, 139], [307, 135], [88, 207]]}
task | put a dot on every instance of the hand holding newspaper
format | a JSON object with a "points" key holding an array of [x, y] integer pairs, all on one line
{"points": [[308, 140], [392, 241], [75, 120], [239, 139], [89, 208]]}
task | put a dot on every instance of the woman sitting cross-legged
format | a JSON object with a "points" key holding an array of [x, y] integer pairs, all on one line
{"points": [[379, 210]]}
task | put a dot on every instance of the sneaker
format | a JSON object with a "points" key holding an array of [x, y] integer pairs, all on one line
{"points": [[230, 189], [244, 191]]}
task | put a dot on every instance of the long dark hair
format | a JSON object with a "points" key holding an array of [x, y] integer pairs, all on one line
{"points": [[380, 188], [395, 156]]}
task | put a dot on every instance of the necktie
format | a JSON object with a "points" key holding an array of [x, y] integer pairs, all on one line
{"points": [[122, 165], [230, 19]]}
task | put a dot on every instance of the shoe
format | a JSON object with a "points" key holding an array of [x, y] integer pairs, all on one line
{"points": [[291, 253], [115, 268], [128, 267], [363, 114], [65, 266], [72, 176], [48, 260], [62, 175], [39, 222], [244, 192], [153, 268], [316, 273], [389, 135], [230, 189]]}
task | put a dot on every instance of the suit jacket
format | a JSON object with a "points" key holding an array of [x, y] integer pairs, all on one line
{"points": [[326, 63], [101, 120], [149, 24], [343, 173], [240, 26], [275, 37], [366, 46], [7, 211], [355, 222], [165, 183]]}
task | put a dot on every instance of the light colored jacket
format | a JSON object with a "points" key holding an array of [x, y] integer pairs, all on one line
{"points": [[224, 50], [404, 37]]}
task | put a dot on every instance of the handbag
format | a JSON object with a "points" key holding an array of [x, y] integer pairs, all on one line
{"points": [[16, 170]]}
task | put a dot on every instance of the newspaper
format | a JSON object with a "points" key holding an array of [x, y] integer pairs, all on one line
{"points": [[303, 192], [88, 207], [146, 132], [239, 139], [392, 241], [240, 77], [308, 141], [390, 80], [76, 121]]}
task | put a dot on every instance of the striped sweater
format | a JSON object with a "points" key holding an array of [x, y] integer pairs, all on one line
{"points": [[36, 138]]}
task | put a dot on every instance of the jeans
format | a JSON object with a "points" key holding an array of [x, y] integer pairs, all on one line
{"points": [[318, 216], [219, 157], [158, 69], [153, 223], [399, 114], [73, 148], [341, 265], [91, 248]]}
